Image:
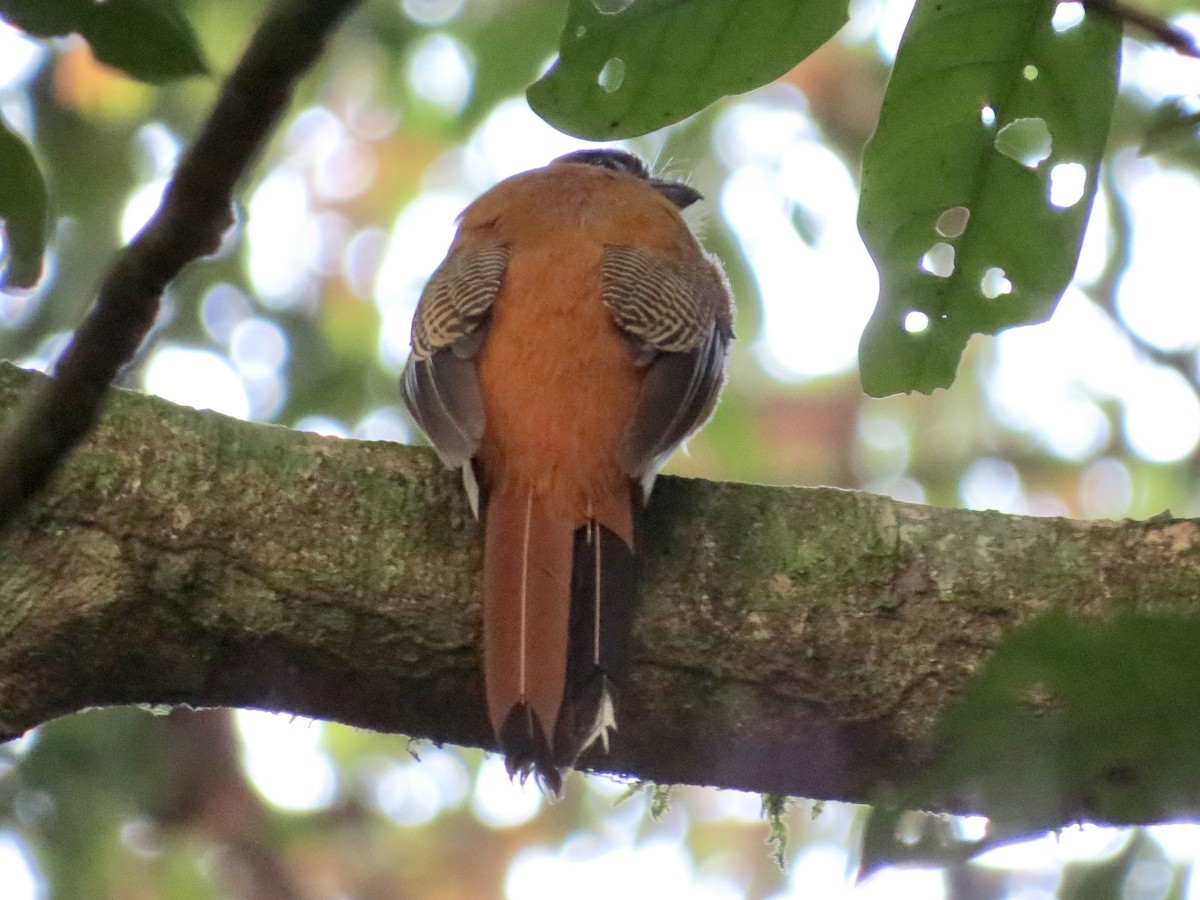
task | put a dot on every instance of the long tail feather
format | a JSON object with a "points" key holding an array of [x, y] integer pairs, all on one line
{"points": [[528, 554], [602, 612]]}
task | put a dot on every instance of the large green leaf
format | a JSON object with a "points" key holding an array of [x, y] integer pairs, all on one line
{"points": [[46, 18], [1072, 717], [22, 210], [986, 101], [148, 39], [626, 67]]}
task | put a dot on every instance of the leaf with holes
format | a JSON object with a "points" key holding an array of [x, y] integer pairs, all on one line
{"points": [[978, 182], [147, 39], [626, 67], [22, 211]]}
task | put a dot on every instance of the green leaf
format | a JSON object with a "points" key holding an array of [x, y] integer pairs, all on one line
{"points": [[23, 211], [45, 18], [985, 102], [626, 67], [1075, 717], [147, 39]]}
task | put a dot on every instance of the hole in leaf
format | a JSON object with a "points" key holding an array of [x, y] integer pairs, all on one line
{"points": [[939, 260], [953, 222], [611, 75], [1030, 72], [995, 283], [1026, 141], [611, 7], [987, 116], [1066, 16], [915, 321], [1067, 184]]}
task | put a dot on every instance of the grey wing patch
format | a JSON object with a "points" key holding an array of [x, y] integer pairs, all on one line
{"points": [[677, 322], [442, 395], [678, 396], [440, 386]]}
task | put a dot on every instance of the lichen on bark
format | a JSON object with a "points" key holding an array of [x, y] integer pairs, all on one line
{"points": [[801, 641]]}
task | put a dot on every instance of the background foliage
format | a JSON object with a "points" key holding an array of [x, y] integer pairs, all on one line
{"points": [[302, 319]]}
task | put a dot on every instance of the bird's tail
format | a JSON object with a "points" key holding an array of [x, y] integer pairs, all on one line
{"points": [[603, 584], [557, 610]]}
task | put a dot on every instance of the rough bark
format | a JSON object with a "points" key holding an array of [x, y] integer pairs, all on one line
{"points": [[195, 211], [793, 640]]}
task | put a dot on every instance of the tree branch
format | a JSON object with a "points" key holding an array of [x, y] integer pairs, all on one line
{"points": [[1161, 30], [794, 640], [196, 210]]}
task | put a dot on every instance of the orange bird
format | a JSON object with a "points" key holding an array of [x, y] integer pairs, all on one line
{"points": [[574, 336]]}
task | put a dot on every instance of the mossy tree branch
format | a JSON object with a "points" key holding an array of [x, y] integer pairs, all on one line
{"points": [[793, 640], [195, 211]]}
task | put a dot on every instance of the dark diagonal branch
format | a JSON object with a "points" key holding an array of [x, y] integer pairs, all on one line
{"points": [[196, 210], [1130, 16]]}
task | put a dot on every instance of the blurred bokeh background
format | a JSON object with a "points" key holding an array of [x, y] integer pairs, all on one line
{"points": [[303, 320]]}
